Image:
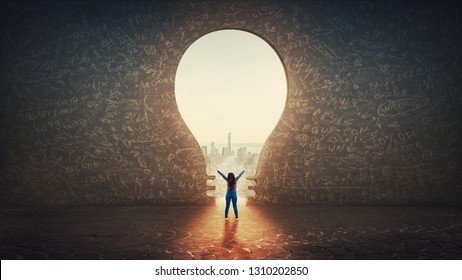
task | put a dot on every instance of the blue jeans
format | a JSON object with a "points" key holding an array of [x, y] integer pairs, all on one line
{"points": [[231, 196]]}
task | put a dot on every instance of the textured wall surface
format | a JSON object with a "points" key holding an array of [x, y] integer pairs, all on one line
{"points": [[88, 112]]}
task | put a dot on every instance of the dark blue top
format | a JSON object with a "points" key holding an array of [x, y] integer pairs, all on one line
{"points": [[226, 178]]}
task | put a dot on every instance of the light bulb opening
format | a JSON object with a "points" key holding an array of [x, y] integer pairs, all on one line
{"points": [[219, 77]]}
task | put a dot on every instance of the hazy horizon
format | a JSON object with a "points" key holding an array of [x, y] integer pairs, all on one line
{"points": [[233, 144], [251, 147]]}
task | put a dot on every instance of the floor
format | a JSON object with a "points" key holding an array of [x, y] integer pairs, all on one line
{"points": [[262, 232]]}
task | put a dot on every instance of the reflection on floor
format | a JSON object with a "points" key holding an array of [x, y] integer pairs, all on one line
{"points": [[270, 232]]}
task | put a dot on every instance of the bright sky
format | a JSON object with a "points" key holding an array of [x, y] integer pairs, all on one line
{"points": [[230, 80]]}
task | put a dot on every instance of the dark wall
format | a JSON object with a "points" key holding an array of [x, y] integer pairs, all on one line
{"points": [[88, 112]]}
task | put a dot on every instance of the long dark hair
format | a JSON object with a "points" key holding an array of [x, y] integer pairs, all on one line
{"points": [[231, 181]]}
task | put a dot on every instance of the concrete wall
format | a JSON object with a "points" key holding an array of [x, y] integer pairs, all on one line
{"points": [[88, 112]]}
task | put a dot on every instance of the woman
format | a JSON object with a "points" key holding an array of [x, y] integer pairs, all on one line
{"points": [[231, 194]]}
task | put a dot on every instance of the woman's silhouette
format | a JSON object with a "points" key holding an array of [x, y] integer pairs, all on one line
{"points": [[231, 194]]}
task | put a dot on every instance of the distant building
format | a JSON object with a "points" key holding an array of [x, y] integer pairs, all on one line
{"points": [[242, 152], [213, 149], [229, 144], [204, 151]]}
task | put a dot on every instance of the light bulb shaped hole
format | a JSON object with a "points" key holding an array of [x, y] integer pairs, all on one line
{"points": [[231, 90]]}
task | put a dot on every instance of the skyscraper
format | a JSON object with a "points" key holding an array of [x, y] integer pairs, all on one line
{"points": [[204, 150], [213, 150], [229, 144]]}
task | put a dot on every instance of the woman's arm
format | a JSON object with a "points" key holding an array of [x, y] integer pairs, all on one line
{"points": [[239, 176], [223, 175]]}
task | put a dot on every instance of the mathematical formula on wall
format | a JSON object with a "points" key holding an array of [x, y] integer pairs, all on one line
{"points": [[372, 115]]}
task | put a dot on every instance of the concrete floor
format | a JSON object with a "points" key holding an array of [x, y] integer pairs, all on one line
{"points": [[262, 232]]}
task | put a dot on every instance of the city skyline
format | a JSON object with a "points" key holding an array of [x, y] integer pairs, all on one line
{"points": [[253, 147]]}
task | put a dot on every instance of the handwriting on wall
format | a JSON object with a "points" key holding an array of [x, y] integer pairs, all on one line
{"points": [[372, 115]]}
